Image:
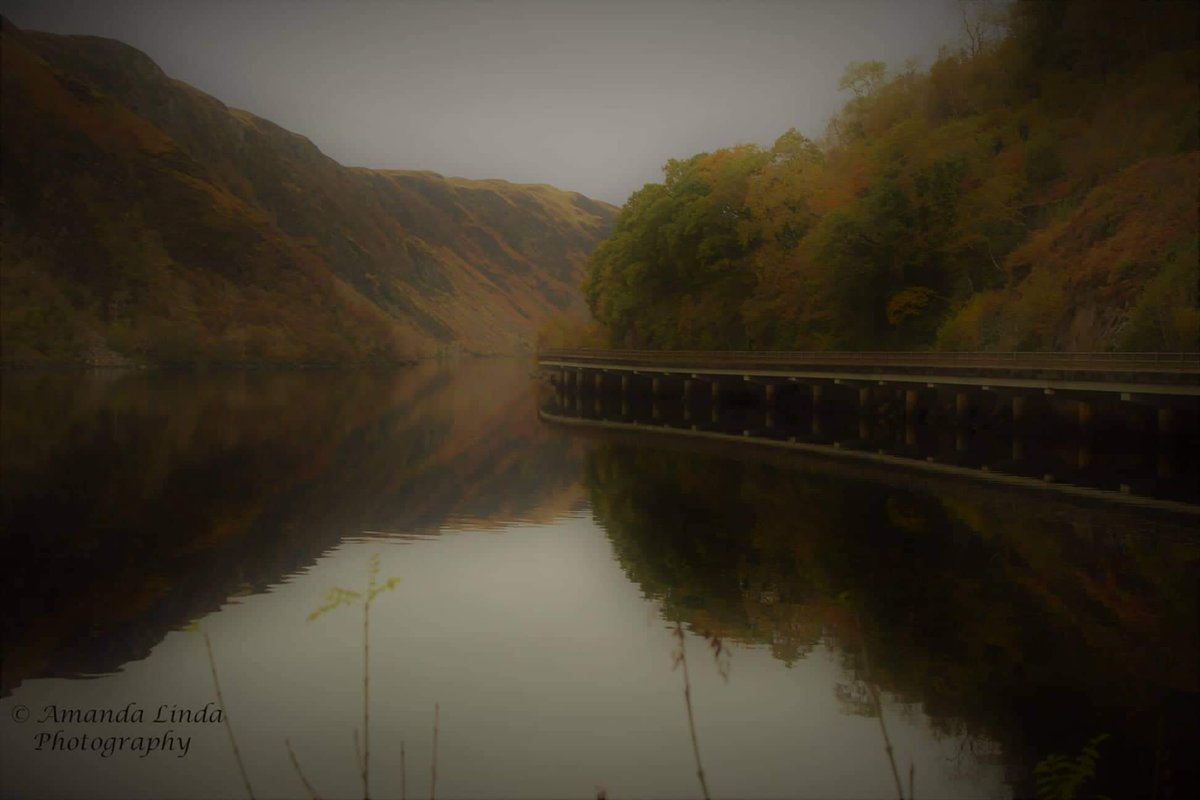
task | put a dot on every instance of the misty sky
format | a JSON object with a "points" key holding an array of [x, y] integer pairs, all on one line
{"points": [[588, 96]]}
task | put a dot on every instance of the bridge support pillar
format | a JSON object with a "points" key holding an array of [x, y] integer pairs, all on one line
{"points": [[1087, 412], [1018, 448], [910, 433], [912, 403], [962, 406], [818, 407], [864, 399], [1018, 407], [960, 441], [624, 385], [598, 381], [1166, 451]]}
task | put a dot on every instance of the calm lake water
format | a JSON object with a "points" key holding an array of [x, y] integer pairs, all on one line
{"points": [[541, 573]]}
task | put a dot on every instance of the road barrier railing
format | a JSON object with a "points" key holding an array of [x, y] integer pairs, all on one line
{"points": [[1177, 368]]}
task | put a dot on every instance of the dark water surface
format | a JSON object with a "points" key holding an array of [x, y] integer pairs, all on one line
{"points": [[541, 573]]}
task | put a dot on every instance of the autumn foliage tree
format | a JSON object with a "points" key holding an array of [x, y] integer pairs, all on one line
{"points": [[1033, 189]]}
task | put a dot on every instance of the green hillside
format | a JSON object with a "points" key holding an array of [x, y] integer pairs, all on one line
{"points": [[146, 222]]}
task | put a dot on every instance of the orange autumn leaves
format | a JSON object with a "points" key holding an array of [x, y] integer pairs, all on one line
{"points": [[1034, 191]]}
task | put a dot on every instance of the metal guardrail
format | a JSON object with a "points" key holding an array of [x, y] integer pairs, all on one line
{"points": [[1176, 363]]}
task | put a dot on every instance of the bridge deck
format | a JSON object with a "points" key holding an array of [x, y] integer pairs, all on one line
{"points": [[1132, 373]]}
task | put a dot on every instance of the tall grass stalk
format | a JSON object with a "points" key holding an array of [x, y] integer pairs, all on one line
{"points": [[874, 690], [312, 793], [237, 754], [337, 596], [366, 762], [433, 775], [681, 659], [358, 759]]}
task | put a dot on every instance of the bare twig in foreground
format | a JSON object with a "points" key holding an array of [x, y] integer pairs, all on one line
{"points": [[681, 658], [433, 777], [874, 690], [312, 793], [212, 663]]}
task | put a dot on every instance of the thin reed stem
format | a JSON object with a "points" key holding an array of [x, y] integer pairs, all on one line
{"points": [[433, 778], [874, 690], [212, 663], [312, 793], [687, 698], [403, 774], [366, 759], [358, 756]]}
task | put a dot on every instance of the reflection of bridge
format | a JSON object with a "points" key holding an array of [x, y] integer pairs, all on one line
{"points": [[1124, 422]]}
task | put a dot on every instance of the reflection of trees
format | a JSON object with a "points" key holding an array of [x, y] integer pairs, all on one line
{"points": [[1022, 623], [133, 504], [855, 698]]}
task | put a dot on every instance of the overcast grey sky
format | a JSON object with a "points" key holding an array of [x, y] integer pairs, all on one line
{"points": [[588, 96]]}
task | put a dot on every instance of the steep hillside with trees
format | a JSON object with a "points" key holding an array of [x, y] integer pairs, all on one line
{"points": [[146, 222], [1035, 189]]}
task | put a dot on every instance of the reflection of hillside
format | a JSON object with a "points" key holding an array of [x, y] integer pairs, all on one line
{"points": [[498, 462], [134, 504], [1035, 625]]}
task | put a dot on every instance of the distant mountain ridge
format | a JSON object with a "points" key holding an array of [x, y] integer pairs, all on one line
{"points": [[144, 221]]}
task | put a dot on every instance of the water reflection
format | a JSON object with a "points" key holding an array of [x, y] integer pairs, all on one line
{"points": [[1026, 625], [540, 572], [133, 504]]}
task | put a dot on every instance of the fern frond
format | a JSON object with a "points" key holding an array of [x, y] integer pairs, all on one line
{"points": [[378, 590], [337, 596]]}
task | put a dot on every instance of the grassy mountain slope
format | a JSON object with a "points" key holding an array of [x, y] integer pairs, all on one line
{"points": [[145, 221]]}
